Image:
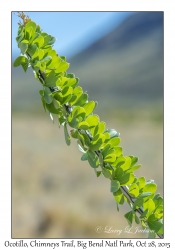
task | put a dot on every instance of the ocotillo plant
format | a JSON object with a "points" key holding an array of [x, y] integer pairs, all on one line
{"points": [[61, 95]]}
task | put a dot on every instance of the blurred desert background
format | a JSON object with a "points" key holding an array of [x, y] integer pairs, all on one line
{"points": [[54, 193]]}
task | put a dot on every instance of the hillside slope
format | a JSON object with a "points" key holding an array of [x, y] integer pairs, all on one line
{"points": [[125, 66], [128, 62]]}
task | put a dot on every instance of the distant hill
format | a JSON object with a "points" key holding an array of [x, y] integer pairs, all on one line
{"points": [[128, 62], [124, 67]]}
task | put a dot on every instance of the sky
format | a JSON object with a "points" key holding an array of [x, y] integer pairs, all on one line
{"points": [[74, 31]]}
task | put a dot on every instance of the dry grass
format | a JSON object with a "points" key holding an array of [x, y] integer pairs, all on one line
{"points": [[55, 195]]}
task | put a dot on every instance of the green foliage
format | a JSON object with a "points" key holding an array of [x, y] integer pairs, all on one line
{"points": [[115, 185], [61, 96], [129, 217], [66, 134]]}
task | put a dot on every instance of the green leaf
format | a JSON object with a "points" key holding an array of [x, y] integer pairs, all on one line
{"points": [[98, 173], [38, 29], [110, 158], [56, 103], [37, 66], [129, 217], [51, 53], [93, 159], [119, 197], [124, 179], [97, 142], [43, 103], [52, 109], [136, 219], [159, 211], [23, 46], [84, 157], [83, 125], [34, 36], [73, 123], [81, 101], [92, 120], [74, 133], [99, 129], [63, 58], [145, 194], [76, 94], [80, 143], [23, 61], [157, 196], [118, 150], [77, 115], [86, 139], [151, 187], [141, 182], [126, 164], [63, 81], [24, 66], [101, 159], [61, 119], [63, 66], [138, 203], [134, 190], [20, 37], [67, 94], [149, 205], [20, 30], [46, 59], [113, 133], [89, 107], [131, 179], [133, 168], [78, 90], [51, 79], [47, 95], [155, 225], [30, 28], [107, 173], [117, 206], [119, 173], [39, 41], [149, 181], [107, 150], [115, 185], [41, 92], [33, 50], [54, 63], [119, 161], [70, 75], [144, 214], [42, 66], [158, 200], [52, 40], [134, 160], [20, 60], [66, 134], [58, 96], [72, 81], [114, 141], [47, 38]]}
